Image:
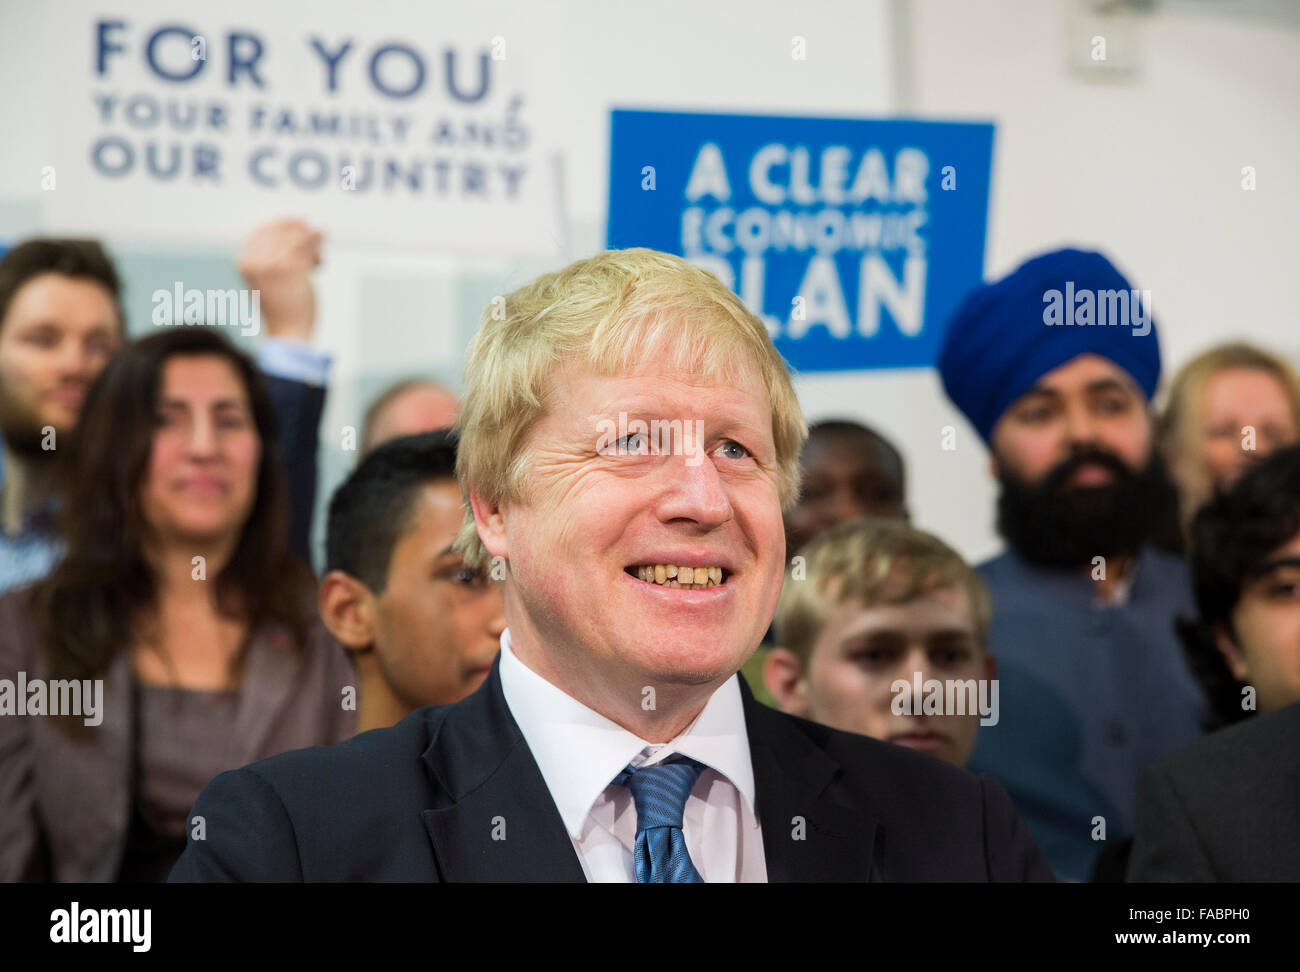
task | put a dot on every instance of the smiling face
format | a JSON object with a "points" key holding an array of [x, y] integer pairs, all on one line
{"points": [[57, 335], [1237, 400], [579, 613], [201, 482]]}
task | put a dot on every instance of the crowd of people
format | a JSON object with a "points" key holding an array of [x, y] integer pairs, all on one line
{"points": [[1129, 665]]}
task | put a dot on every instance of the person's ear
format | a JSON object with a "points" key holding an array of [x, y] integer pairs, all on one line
{"points": [[1232, 654], [348, 609], [490, 521], [784, 677]]}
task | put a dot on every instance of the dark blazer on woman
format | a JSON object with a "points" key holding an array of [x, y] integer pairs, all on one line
{"points": [[65, 799]]}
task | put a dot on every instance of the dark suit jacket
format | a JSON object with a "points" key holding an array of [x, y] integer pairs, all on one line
{"points": [[1224, 809], [421, 801], [65, 800], [298, 409]]}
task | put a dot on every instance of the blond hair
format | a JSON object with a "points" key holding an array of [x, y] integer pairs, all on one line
{"points": [[871, 561], [608, 312], [1177, 425]]}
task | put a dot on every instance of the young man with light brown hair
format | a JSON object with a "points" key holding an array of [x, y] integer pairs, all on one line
{"points": [[876, 609]]}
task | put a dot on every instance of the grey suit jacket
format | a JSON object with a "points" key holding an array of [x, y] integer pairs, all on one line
{"points": [[65, 800], [1226, 808]]}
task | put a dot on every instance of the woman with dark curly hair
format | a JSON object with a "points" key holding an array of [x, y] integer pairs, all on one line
{"points": [[177, 605]]}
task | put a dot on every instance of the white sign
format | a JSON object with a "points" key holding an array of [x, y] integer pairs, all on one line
{"points": [[415, 126]]}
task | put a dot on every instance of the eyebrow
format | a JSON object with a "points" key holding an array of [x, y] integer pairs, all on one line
{"points": [[93, 329], [219, 403], [1291, 560], [1107, 384], [1100, 385], [892, 632], [665, 408], [1042, 391]]}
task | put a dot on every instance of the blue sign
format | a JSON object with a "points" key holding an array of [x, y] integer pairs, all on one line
{"points": [[853, 239]]}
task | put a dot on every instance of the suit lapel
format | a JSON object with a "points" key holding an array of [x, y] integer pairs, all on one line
{"points": [[496, 820], [88, 800], [270, 676], [812, 828]]}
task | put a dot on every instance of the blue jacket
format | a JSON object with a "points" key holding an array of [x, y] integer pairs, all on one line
{"points": [[1089, 697]]}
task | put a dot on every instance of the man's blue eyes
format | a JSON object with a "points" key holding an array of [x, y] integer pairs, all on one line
{"points": [[733, 444], [638, 443], [633, 442]]}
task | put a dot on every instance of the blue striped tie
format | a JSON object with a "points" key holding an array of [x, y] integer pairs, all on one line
{"points": [[660, 793]]}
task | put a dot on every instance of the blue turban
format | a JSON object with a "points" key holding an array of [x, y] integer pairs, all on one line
{"points": [[1006, 335]]}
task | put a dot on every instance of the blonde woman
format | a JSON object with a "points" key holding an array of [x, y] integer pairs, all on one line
{"points": [[1226, 408]]}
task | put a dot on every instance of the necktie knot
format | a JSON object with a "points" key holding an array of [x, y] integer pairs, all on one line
{"points": [[660, 793]]}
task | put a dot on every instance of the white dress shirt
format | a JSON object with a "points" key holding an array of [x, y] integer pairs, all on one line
{"points": [[579, 752]]}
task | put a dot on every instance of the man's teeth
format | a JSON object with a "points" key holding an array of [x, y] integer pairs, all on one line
{"points": [[670, 575]]}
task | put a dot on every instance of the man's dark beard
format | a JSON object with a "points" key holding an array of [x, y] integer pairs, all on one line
{"points": [[22, 430], [1059, 525]]}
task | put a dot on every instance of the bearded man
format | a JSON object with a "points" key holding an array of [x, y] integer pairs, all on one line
{"points": [[1094, 686]]}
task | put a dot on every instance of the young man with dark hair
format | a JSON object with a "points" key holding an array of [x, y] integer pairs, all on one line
{"points": [[423, 627], [1224, 809], [1245, 559]]}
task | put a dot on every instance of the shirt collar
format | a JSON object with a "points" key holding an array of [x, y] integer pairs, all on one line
{"points": [[579, 751]]}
